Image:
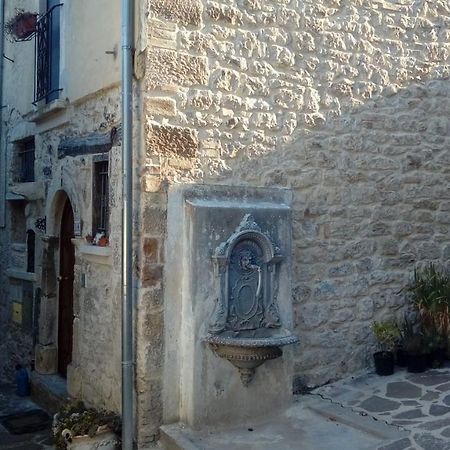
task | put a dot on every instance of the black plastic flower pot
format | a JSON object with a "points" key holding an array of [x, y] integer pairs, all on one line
{"points": [[437, 357], [384, 363], [417, 363], [402, 357]]}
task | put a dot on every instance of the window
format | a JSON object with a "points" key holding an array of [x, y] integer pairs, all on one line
{"points": [[100, 210], [31, 242], [26, 160], [48, 38]]}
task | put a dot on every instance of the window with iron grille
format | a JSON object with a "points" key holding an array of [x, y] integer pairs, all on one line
{"points": [[46, 83], [31, 243], [25, 155], [100, 199]]}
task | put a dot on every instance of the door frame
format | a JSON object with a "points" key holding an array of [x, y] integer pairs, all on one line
{"points": [[66, 281]]}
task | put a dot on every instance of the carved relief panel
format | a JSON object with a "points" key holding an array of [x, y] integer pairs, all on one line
{"points": [[247, 266]]}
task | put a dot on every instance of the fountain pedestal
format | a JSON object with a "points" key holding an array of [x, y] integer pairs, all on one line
{"points": [[227, 300]]}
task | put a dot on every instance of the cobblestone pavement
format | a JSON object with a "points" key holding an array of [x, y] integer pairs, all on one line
{"points": [[10, 403], [417, 403]]}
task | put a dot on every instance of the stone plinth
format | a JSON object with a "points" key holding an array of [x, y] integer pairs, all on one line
{"points": [[202, 389]]}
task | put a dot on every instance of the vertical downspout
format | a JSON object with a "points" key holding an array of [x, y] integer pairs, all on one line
{"points": [[128, 426], [2, 149]]}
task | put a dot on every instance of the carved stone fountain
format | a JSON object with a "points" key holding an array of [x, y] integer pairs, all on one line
{"points": [[231, 245], [246, 327]]}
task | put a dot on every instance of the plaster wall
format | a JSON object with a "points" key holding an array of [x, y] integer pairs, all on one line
{"points": [[347, 104], [90, 30]]}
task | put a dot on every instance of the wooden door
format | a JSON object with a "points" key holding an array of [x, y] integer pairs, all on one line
{"points": [[66, 275]]}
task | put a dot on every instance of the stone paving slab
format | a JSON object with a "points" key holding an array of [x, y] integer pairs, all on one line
{"points": [[311, 423], [416, 403], [10, 403]]}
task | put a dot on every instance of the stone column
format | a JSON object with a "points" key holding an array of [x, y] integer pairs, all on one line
{"points": [[46, 351]]}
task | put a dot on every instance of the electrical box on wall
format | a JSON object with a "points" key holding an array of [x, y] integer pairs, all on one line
{"points": [[17, 312]]}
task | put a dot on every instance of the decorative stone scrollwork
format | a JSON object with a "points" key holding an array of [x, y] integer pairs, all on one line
{"points": [[246, 314]]}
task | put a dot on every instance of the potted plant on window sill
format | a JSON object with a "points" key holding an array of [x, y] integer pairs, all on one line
{"points": [[76, 427], [387, 334]]}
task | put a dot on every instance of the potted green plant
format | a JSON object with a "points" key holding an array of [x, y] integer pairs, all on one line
{"points": [[436, 345], [76, 427], [416, 347], [430, 291], [387, 334]]}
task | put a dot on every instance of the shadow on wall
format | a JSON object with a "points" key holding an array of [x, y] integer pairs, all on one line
{"points": [[371, 201]]}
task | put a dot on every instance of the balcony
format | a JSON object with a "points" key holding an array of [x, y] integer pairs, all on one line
{"points": [[47, 42]]}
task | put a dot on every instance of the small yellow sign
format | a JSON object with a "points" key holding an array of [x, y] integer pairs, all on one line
{"points": [[17, 312]]}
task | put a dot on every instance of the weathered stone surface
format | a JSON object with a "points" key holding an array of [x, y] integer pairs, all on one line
{"points": [[435, 424], [400, 444], [151, 250], [379, 404], [186, 12], [151, 275], [403, 389], [412, 414], [431, 378], [170, 140], [429, 442], [430, 396], [439, 410], [164, 106], [172, 68], [154, 220]]}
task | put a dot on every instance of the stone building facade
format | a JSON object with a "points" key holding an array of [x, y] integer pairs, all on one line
{"points": [[345, 103], [59, 123]]}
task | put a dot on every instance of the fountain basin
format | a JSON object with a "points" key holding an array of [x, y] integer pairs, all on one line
{"points": [[246, 353]]}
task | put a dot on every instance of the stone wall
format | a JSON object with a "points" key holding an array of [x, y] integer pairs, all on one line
{"points": [[346, 103]]}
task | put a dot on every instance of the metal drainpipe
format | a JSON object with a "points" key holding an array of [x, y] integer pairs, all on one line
{"points": [[2, 149], [128, 422]]}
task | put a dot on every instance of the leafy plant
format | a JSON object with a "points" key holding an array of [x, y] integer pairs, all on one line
{"points": [[387, 334], [431, 297], [77, 420]]}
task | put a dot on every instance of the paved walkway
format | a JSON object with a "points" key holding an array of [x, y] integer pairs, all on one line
{"points": [[10, 403], [416, 403], [400, 412]]}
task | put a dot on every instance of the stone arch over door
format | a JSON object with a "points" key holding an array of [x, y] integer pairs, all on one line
{"points": [[47, 354]]}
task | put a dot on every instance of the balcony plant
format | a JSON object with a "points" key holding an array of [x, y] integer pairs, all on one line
{"points": [[22, 25], [76, 427], [387, 334]]}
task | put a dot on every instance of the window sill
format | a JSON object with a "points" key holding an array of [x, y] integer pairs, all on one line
{"points": [[21, 275], [33, 190], [94, 253], [46, 110]]}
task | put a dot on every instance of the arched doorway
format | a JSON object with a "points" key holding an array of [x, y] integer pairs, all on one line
{"points": [[65, 297]]}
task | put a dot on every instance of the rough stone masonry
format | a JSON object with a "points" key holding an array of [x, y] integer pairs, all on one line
{"points": [[345, 102]]}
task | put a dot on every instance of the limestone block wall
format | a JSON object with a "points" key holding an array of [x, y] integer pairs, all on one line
{"points": [[346, 103]]}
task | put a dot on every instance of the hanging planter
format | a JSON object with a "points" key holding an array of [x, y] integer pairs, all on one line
{"points": [[21, 26]]}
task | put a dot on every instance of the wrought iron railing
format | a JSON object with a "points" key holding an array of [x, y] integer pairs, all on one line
{"points": [[46, 84]]}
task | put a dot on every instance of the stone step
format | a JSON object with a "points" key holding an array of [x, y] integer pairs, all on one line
{"points": [[49, 391], [172, 437], [309, 424]]}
